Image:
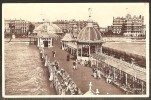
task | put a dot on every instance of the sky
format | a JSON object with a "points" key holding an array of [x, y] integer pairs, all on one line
{"points": [[101, 12]]}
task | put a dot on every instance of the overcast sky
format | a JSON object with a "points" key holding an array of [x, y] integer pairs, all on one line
{"points": [[101, 12]]}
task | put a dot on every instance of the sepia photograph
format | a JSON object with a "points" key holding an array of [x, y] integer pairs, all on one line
{"points": [[75, 50]]}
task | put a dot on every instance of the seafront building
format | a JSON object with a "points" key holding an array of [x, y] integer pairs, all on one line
{"points": [[73, 25], [46, 31], [129, 25], [21, 26]]}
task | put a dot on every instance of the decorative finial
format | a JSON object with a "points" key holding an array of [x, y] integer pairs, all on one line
{"points": [[90, 86], [90, 22]]}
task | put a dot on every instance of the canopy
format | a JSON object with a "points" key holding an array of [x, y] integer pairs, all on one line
{"points": [[72, 45], [67, 37], [123, 66]]}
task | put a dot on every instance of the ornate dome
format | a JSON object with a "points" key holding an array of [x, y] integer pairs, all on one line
{"points": [[89, 34], [47, 30]]}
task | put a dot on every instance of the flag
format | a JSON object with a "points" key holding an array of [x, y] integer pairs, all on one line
{"points": [[89, 9]]}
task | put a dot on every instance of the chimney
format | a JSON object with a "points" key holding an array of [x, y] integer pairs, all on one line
{"points": [[140, 16]]}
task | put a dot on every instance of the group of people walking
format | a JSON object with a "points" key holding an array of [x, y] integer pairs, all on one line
{"points": [[96, 73]]}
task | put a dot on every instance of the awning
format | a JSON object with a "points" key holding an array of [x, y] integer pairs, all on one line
{"points": [[72, 45]]}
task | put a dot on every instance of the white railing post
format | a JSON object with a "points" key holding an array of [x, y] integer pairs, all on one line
{"points": [[97, 92]]}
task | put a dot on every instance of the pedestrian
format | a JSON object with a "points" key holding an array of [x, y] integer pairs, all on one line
{"points": [[51, 76], [68, 57], [89, 63], [95, 74], [54, 54], [76, 91], [41, 53], [63, 91], [74, 64], [10, 38], [108, 79], [76, 61], [85, 63], [98, 73]]}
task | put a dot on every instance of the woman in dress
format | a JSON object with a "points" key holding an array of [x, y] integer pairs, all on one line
{"points": [[51, 76], [98, 73]]}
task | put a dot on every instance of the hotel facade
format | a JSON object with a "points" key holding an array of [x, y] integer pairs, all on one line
{"points": [[129, 25], [21, 26]]}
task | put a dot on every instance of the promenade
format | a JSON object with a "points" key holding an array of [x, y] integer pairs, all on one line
{"points": [[83, 75]]}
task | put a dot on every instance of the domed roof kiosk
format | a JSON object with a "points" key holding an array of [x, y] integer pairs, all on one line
{"points": [[45, 34], [89, 41]]}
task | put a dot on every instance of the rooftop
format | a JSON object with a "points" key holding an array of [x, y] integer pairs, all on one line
{"points": [[89, 33]]}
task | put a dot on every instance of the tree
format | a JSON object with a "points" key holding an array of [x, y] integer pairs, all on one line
{"points": [[12, 28], [31, 28], [110, 33]]}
